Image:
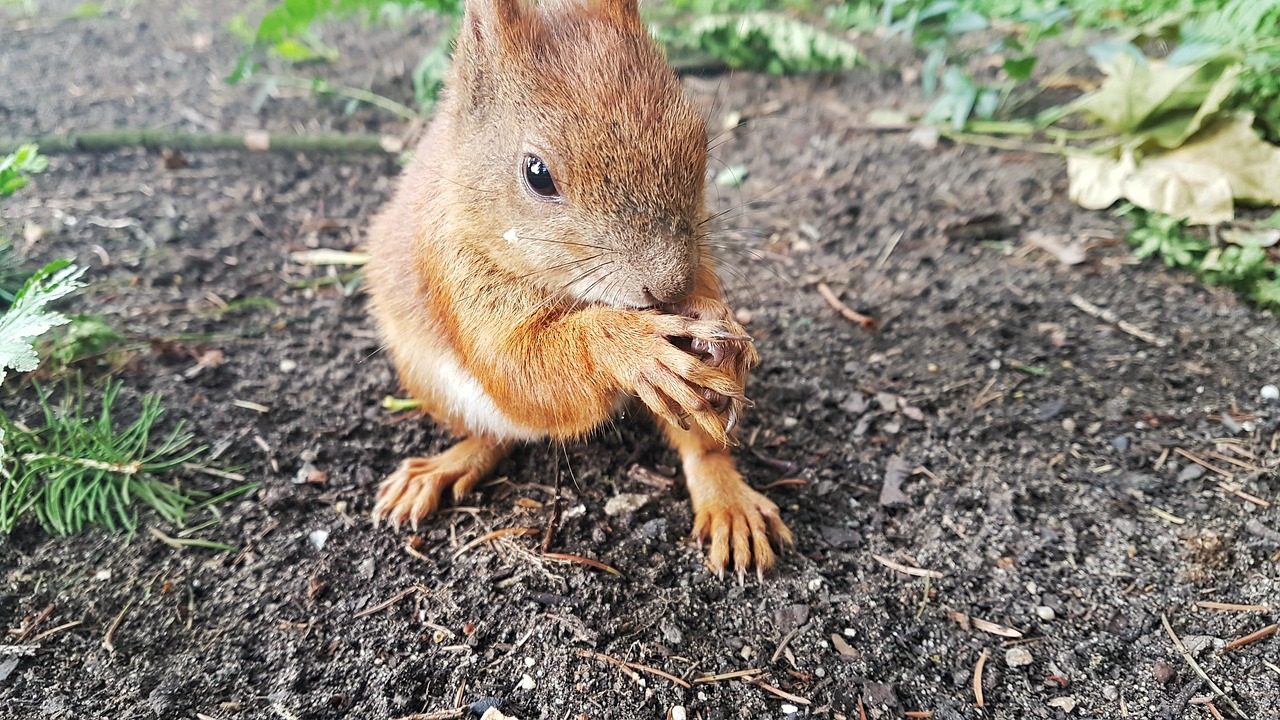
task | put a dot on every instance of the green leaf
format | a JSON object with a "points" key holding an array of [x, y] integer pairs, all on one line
{"points": [[1149, 101], [294, 51], [763, 41], [29, 316], [1019, 69]]}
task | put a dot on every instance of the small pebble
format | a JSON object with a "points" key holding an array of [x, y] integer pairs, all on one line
{"points": [[1270, 392], [678, 713], [318, 538], [625, 504], [530, 662], [1162, 671], [789, 709], [1066, 704], [1044, 612], [1017, 657], [743, 316], [527, 683], [288, 366]]}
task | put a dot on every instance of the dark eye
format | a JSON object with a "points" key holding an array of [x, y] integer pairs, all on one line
{"points": [[538, 177]]}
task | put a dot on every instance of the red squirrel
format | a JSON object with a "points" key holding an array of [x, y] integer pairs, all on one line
{"points": [[544, 259]]}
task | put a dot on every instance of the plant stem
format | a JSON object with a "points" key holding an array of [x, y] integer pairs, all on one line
{"points": [[95, 141], [130, 468], [322, 86]]}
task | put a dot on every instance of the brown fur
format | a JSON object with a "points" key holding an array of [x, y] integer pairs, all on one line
{"points": [[560, 309]]}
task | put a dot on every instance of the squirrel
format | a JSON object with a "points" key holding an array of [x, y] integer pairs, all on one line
{"points": [[544, 259]]}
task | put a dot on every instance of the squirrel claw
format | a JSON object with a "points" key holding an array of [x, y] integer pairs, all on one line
{"points": [[415, 489], [744, 528]]}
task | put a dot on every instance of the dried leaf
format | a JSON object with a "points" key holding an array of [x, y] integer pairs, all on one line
{"points": [[1199, 181], [1067, 252], [995, 628]]}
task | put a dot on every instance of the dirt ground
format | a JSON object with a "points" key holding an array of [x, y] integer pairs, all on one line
{"points": [[991, 431]]}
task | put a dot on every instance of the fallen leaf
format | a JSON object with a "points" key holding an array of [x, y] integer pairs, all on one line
{"points": [[1198, 182], [1155, 101], [1066, 251]]}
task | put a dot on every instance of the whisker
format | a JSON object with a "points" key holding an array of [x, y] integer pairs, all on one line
{"points": [[566, 242], [491, 287]]}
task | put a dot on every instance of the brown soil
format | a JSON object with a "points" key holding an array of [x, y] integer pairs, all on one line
{"points": [[1038, 443]]}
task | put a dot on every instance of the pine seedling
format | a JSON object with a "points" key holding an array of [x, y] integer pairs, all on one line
{"points": [[76, 471]]}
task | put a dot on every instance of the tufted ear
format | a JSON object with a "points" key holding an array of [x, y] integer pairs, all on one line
{"points": [[621, 11], [494, 24]]}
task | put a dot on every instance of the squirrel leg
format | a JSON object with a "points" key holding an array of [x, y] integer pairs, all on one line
{"points": [[737, 520], [414, 490]]}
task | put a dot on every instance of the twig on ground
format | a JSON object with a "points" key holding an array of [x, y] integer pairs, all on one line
{"points": [[452, 714], [107, 640], [635, 677], [22, 634], [1167, 516], [782, 646], [494, 536], [392, 600], [1231, 489], [1252, 637], [866, 322], [1205, 464], [630, 666], [567, 558], [1231, 607], [913, 571], [758, 682], [1126, 327], [54, 631], [977, 677], [1195, 666], [727, 676]]}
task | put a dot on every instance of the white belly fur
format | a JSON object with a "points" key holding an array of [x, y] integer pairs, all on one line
{"points": [[465, 399]]}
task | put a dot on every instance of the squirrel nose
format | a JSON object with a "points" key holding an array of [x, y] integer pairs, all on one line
{"points": [[671, 289]]}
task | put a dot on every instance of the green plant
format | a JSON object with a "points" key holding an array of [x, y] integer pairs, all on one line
{"points": [[291, 31], [86, 336], [76, 471], [29, 316], [15, 169], [1243, 265], [746, 34], [762, 41], [17, 166]]}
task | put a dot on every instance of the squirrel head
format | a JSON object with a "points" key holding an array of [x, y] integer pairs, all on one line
{"points": [[577, 156]]}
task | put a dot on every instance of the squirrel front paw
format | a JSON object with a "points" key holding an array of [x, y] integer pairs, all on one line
{"points": [[672, 380], [737, 359]]}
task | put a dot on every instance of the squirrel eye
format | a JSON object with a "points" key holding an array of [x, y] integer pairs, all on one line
{"points": [[537, 176]]}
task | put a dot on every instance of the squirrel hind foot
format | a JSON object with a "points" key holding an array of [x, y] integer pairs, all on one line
{"points": [[417, 486]]}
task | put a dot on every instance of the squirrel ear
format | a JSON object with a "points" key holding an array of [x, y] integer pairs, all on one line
{"points": [[617, 9], [496, 23]]}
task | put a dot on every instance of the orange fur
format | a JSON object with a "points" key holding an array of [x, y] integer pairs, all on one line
{"points": [[512, 316]]}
